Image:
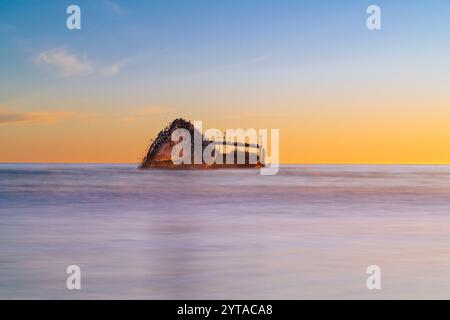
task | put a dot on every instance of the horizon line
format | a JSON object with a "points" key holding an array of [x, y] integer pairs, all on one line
{"points": [[286, 163]]}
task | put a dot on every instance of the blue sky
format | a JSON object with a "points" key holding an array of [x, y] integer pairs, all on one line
{"points": [[155, 40]]}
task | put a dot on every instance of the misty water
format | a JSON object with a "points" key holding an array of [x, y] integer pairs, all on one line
{"points": [[308, 232]]}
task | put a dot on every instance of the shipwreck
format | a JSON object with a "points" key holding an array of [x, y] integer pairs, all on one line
{"points": [[223, 153]]}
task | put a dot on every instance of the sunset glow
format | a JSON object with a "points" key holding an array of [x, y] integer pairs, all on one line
{"points": [[337, 92]]}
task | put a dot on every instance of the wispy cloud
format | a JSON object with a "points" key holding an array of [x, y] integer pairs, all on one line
{"points": [[116, 67], [65, 63], [255, 60], [113, 69], [68, 64], [240, 64], [13, 117], [40, 117]]}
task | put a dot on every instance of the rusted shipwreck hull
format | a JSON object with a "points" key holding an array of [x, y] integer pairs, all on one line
{"points": [[160, 150]]}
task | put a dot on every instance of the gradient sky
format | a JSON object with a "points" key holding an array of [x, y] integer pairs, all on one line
{"points": [[338, 92]]}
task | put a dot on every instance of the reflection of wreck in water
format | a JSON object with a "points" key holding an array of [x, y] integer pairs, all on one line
{"points": [[159, 154]]}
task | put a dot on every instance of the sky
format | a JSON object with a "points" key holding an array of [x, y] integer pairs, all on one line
{"points": [[338, 92]]}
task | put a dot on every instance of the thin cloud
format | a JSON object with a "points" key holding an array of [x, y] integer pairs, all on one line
{"points": [[260, 59], [40, 117], [116, 67], [113, 69], [65, 63], [256, 60], [12, 117], [69, 64]]}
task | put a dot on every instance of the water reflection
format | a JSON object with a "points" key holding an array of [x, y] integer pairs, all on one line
{"points": [[308, 232]]}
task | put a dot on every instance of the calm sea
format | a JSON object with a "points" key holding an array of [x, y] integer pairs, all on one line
{"points": [[308, 232]]}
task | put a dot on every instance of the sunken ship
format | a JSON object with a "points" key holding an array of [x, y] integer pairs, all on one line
{"points": [[159, 153]]}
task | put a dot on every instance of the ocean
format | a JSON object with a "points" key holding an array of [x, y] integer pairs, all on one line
{"points": [[309, 232]]}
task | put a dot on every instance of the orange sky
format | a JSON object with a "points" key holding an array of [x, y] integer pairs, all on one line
{"points": [[305, 137]]}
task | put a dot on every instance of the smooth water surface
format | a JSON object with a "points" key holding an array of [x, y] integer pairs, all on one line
{"points": [[308, 232]]}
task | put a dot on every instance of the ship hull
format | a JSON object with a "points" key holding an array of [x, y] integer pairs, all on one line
{"points": [[170, 166]]}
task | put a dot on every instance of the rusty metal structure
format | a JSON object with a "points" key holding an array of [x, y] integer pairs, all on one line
{"points": [[160, 150]]}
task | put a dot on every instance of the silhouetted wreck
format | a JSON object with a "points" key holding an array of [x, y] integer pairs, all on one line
{"points": [[159, 154]]}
